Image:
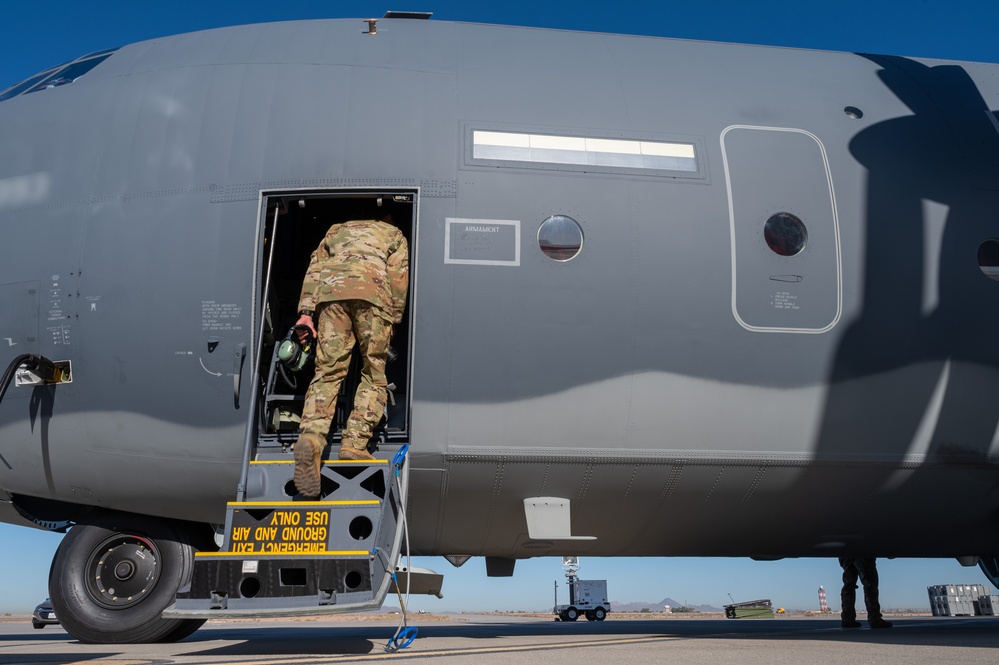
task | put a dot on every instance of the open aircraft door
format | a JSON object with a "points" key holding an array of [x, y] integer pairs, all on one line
{"points": [[292, 226], [284, 553]]}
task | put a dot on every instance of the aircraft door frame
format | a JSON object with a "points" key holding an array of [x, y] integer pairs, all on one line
{"points": [[772, 171], [304, 215]]}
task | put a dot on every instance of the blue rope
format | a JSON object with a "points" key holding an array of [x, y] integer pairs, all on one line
{"points": [[400, 456], [407, 636]]}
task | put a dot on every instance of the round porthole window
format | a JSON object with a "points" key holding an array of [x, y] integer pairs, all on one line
{"points": [[560, 237], [785, 234], [988, 258]]}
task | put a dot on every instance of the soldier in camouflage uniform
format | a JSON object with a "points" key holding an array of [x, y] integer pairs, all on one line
{"points": [[354, 291]]}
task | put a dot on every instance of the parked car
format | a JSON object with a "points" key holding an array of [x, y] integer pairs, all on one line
{"points": [[43, 615]]}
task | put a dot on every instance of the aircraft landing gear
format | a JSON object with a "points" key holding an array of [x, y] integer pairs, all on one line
{"points": [[112, 578], [990, 567]]}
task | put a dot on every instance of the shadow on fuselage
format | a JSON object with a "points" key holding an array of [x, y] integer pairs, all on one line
{"points": [[918, 370]]}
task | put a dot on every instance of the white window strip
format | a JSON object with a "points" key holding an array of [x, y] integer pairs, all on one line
{"points": [[614, 146], [545, 142], [502, 139], [577, 150], [668, 149]]}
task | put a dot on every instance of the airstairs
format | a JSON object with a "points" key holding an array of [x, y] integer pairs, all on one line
{"points": [[284, 556], [287, 557]]}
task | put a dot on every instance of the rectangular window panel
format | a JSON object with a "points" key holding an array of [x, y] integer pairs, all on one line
{"points": [[583, 152]]}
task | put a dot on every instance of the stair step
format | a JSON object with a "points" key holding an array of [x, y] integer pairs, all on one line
{"points": [[302, 504], [288, 557], [271, 480]]}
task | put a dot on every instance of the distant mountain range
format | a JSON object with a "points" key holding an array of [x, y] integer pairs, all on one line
{"points": [[658, 607]]}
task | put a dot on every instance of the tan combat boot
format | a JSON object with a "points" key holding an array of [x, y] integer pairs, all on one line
{"points": [[308, 450], [359, 454]]}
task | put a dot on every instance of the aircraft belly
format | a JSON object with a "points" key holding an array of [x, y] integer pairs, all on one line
{"points": [[691, 507], [694, 467], [124, 461]]}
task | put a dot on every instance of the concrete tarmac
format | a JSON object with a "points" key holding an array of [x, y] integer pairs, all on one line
{"points": [[512, 640]]}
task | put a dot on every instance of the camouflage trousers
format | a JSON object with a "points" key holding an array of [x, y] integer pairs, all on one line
{"points": [[864, 568], [340, 325]]}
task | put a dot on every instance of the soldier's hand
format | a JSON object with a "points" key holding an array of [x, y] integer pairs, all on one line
{"points": [[306, 320]]}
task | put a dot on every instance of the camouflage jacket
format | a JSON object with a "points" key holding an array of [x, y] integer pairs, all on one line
{"points": [[359, 260]]}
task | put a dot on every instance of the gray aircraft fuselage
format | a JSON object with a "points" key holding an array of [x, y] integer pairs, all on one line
{"points": [[689, 389]]}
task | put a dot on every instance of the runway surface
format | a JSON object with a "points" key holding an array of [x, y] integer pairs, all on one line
{"points": [[512, 640]]}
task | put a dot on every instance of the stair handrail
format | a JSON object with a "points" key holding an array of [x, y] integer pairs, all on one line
{"points": [[251, 422]]}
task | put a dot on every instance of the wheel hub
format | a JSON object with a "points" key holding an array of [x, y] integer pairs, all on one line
{"points": [[123, 570]]}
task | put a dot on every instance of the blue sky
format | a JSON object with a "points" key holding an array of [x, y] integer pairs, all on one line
{"points": [[40, 35], [43, 34]]}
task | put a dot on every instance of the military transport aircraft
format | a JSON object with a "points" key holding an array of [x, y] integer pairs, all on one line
{"points": [[667, 298]]}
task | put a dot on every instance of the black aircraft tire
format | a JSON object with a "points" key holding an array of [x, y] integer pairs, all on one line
{"points": [[110, 580]]}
